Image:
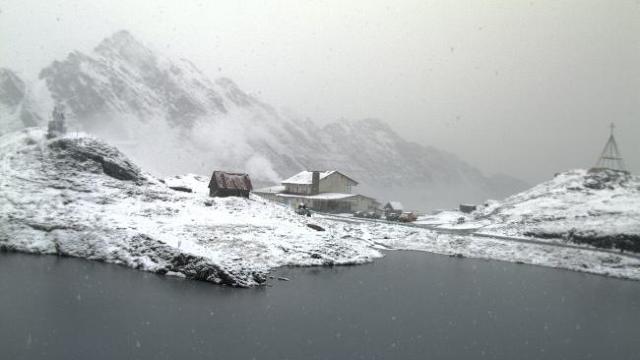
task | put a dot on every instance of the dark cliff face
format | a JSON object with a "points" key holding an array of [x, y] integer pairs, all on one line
{"points": [[12, 88], [69, 84], [124, 76], [172, 118], [15, 109]]}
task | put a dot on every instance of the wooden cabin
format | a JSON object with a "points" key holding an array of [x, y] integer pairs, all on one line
{"points": [[225, 184]]}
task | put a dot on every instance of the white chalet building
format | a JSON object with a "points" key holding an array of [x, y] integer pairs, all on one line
{"points": [[328, 191]]}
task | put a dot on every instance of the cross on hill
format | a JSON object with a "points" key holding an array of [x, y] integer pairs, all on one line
{"points": [[610, 157]]}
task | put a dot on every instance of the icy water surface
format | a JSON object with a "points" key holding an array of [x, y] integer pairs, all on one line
{"points": [[409, 305]]}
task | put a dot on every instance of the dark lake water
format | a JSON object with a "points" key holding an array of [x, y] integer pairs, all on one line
{"points": [[409, 305]]}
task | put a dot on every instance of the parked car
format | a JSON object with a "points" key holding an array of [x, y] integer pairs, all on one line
{"points": [[359, 214], [367, 214], [392, 216], [372, 215], [407, 217]]}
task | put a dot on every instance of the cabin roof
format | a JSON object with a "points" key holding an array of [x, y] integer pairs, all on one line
{"points": [[230, 181], [306, 177]]}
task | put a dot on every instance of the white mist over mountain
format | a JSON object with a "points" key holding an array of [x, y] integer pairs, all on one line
{"points": [[171, 118]]}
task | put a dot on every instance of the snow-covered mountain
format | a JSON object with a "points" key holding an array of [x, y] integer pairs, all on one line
{"points": [[171, 118]]}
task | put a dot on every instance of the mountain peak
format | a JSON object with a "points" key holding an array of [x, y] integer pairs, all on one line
{"points": [[119, 39], [374, 124], [123, 45]]}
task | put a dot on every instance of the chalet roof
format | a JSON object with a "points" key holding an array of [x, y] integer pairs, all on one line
{"points": [[230, 181], [394, 205], [306, 177]]}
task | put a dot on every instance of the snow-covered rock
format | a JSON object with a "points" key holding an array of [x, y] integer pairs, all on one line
{"points": [[170, 118]]}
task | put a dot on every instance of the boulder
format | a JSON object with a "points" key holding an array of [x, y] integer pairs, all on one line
{"points": [[316, 227]]}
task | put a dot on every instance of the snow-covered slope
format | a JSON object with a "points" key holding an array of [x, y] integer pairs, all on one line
{"points": [[78, 196], [171, 118], [600, 207]]}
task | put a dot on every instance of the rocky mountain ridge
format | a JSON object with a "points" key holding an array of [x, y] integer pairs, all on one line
{"points": [[171, 118]]}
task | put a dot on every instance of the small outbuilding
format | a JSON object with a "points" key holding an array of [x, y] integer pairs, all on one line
{"points": [[224, 184]]}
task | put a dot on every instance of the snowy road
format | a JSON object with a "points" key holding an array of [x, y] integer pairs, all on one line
{"points": [[472, 232]]}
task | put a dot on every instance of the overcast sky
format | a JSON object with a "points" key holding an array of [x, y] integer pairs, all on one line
{"points": [[526, 88]]}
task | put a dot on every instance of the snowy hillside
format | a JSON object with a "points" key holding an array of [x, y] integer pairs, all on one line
{"points": [[171, 118], [601, 208], [78, 196]]}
